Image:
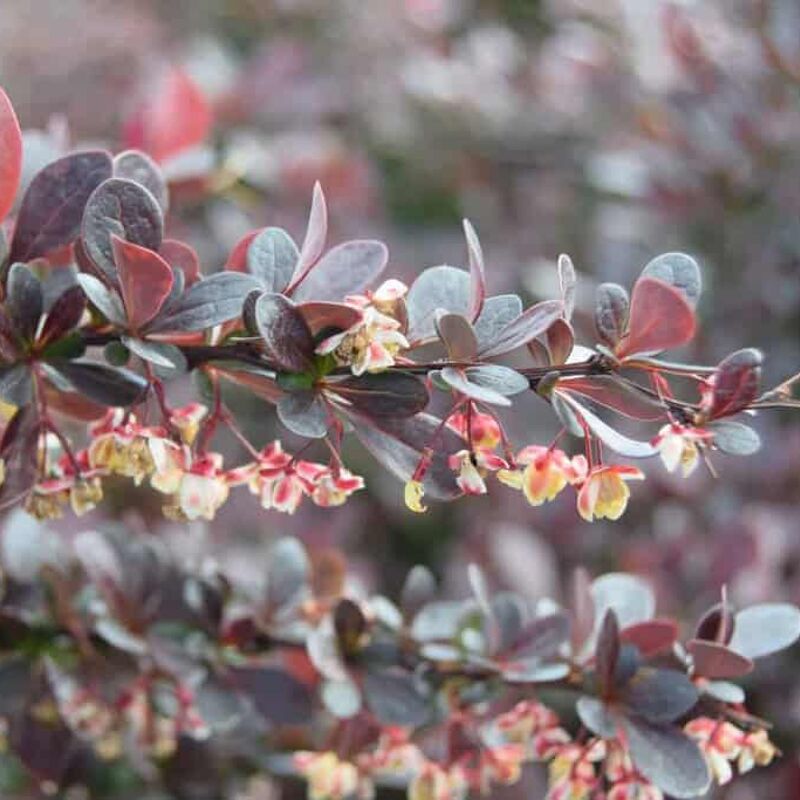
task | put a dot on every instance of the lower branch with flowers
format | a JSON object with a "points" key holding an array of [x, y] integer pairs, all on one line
{"points": [[121, 652]]}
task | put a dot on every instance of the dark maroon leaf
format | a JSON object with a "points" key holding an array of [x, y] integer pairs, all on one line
{"points": [[350, 625], [716, 625], [285, 333], [398, 444], [660, 695], [667, 757], [716, 661], [329, 316], [24, 300], [275, 694], [63, 316], [121, 208], [384, 394], [134, 165], [19, 449], [735, 383], [611, 312], [607, 651], [533, 322], [394, 698], [53, 205], [110, 386]]}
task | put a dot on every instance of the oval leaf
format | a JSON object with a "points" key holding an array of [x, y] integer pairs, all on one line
{"points": [[271, 258], [713, 660], [53, 205], [442, 287], [497, 313], [103, 384], [345, 269], [134, 165], [611, 310], [458, 337], [735, 383], [661, 318], [285, 333], [678, 270], [533, 322], [477, 272], [11, 149], [304, 413], [765, 629], [119, 207], [145, 279]]}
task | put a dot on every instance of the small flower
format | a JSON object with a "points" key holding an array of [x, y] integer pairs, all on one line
{"points": [[546, 471], [679, 446], [198, 486], [604, 493], [720, 743], [331, 779], [757, 750], [372, 344], [334, 489], [572, 773], [434, 782], [413, 493], [121, 446], [469, 479], [484, 431], [534, 726], [187, 419]]}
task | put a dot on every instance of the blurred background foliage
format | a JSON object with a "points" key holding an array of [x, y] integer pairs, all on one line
{"points": [[608, 129]]}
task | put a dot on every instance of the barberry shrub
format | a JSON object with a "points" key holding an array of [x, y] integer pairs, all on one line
{"points": [[117, 649]]}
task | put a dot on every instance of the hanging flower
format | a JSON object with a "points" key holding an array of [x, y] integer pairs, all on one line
{"points": [[330, 778], [434, 782], [604, 493], [120, 445], [413, 494], [679, 446], [484, 432], [187, 419], [469, 479], [544, 473], [572, 773]]}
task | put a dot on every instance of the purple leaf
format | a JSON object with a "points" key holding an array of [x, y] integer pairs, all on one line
{"points": [[136, 166], [735, 383], [383, 395], [533, 322], [119, 207], [660, 695], [497, 313], [716, 661], [24, 300], [285, 333], [316, 234], [611, 310], [271, 258], [477, 273], [346, 269], [53, 205], [63, 316]]}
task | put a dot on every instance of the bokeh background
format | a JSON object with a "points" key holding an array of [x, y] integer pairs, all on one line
{"points": [[611, 130]]}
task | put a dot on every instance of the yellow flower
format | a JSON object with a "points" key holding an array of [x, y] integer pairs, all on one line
{"points": [[604, 493], [414, 493], [85, 495]]}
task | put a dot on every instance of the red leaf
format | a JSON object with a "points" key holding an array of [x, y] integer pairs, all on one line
{"points": [[145, 279], [611, 392], [183, 257], [660, 319], [177, 118], [651, 637], [715, 661], [11, 149], [237, 260]]}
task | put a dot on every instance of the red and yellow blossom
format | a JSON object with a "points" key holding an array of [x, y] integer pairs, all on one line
{"points": [[120, 445], [604, 492], [472, 467], [186, 420], [372, 344], [435, 782], [722, 743], [534, 726], [483, 432], [679, 446], [72, 481], [572, 773], [543, 472], [330, 778]]}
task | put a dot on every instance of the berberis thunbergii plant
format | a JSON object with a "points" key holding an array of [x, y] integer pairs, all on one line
{"points": [[116, 649]]}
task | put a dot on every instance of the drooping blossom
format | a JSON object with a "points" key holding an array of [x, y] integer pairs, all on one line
{"points": [[543, 472], [604, 493], [679, 446], [330, 778]]}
